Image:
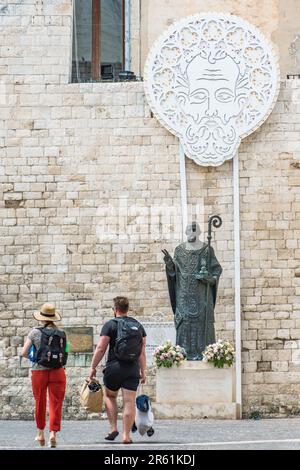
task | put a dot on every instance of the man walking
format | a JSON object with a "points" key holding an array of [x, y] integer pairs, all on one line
{"points": [[125, 366]]}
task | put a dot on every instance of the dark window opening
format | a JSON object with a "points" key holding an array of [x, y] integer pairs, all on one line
{"points": [[98, 40]]}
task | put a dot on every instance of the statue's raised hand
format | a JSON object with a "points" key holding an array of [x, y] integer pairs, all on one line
{"points": [[167, 256]]}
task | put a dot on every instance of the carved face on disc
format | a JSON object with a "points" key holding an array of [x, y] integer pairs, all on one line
{"points": [[211, 106], [211, 80]]}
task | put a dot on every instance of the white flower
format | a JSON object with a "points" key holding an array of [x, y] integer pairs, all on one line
{"points": [[222, 350]]}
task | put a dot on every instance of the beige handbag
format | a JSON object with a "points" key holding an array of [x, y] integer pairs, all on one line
{"points": [[91, 401]]}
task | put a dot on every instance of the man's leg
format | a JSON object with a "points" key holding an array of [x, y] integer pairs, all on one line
{"points": [[111, 408], [128, 412]]}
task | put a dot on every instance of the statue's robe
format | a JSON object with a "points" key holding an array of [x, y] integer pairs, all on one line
{"points": [[193, 301]]}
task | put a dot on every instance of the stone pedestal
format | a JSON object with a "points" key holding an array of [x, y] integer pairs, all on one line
{"points": [[195, 389]]}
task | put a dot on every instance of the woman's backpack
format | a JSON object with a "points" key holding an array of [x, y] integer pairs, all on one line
{"points": [[52, 352]]}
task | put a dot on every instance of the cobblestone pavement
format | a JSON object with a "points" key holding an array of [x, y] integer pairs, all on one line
{"points": [[169, 435]]}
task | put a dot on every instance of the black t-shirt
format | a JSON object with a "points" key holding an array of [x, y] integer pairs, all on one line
{"points": [[110, 329]]}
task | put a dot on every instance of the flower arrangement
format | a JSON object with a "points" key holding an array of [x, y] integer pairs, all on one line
{"points": [[167, 355], [220, 353]]}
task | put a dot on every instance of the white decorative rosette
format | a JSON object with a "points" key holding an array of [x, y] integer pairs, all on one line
{"points": [[211, 79]]}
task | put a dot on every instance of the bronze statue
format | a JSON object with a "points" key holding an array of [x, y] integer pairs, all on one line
{"points": [[193, 277]]}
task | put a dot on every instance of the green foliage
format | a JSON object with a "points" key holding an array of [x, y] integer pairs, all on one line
{"points": [[255, 414]]}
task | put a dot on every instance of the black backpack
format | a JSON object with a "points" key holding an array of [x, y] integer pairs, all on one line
{"points": [[52, 352], [129, 340]]}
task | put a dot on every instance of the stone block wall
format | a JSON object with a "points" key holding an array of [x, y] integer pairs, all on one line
{"points": [[270, 162], [90, 194]]}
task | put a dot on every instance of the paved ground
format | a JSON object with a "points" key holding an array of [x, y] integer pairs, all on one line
{"points": [[169, 435]]}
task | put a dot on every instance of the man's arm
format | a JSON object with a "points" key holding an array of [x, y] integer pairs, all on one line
{"points": [[98, 354], [142, 361]]}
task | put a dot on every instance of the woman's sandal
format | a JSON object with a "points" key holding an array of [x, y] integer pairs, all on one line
{"points": [[52, 442], [111, 436], [42, 442]]}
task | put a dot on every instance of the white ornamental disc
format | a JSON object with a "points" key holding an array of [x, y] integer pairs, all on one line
{"points": [[211, 79]]}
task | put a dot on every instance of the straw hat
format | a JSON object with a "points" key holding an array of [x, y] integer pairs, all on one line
{"points": [[47, 313]]}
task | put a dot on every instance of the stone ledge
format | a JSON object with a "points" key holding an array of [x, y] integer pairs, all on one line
{"points": [[181, 411], [104, 87]]}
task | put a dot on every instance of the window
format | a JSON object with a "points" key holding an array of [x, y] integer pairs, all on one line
{"points": [[98, 40]]}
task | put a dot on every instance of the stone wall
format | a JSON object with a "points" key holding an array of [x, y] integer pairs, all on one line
{"points": [[277, 19], [89, 180], [270, 258]]}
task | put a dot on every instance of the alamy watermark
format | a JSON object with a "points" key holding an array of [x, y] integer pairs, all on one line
{"points": [[121, 221]]}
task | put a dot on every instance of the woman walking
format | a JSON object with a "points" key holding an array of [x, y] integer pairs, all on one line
{"points": [[47, 371]]}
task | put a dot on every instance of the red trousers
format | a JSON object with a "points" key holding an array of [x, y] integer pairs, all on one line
{"points": [[55, 381]]}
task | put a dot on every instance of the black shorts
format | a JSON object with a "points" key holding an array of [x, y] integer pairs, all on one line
{"points": [[118, 375]]}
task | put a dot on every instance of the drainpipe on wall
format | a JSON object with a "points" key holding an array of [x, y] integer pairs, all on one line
{"points": [[127, 35], [140, 42], [237, 285]]}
